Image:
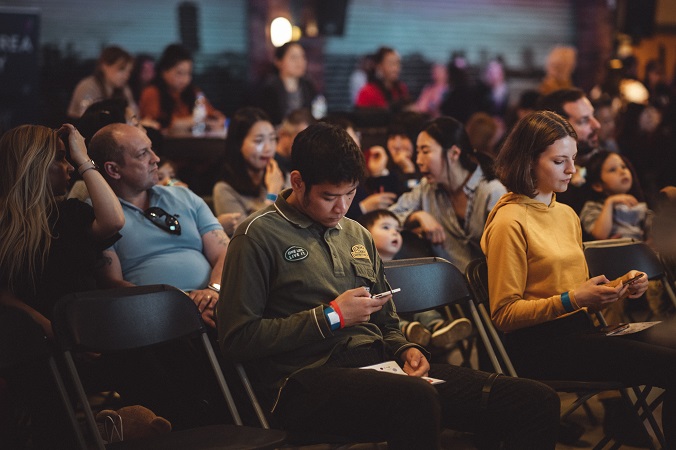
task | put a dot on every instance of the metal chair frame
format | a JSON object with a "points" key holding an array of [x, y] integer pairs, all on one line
{"points": [[477, 280]]}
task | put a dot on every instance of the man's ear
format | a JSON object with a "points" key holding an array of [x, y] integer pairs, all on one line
{"points": [[112, 170], [297, 183]]}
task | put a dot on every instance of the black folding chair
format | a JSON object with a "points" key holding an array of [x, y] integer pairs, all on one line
{"points": [[130, 318], [428, 283], [22, 342], [477, 280], [615, 257]]}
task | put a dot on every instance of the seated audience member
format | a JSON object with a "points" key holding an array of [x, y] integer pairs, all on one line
{"points": [[483, 132], [450, 205], [461, 100], [384, 89], [378, 176], [647, 138], [423, 328], [105, 112], [170, 235], [526, 104], [363, 202], [574, 106], [109, 80], [605, 115], [544, 300], [142, 74], [433, 93], [493, 92], [401, 136], [289, 89], [655, 82], [559, 68], [297, 312], [170, 98], [49, 247], [615, 208], [251, 178], [293, 123]]}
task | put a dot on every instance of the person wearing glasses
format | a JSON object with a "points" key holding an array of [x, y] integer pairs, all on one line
{"points": [[170, 236], [296, 309]]}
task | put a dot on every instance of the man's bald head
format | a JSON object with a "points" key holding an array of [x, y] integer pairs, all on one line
{"points": [[107, 144]]}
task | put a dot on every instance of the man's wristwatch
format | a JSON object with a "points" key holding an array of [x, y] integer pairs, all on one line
{"points": [[215, 287]]}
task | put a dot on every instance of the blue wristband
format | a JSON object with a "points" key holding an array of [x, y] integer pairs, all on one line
{"points": [[565, 300], [332, 318], [271, 197]]}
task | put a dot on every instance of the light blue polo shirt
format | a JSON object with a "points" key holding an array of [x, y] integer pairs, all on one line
{"points": [[150, 255]]}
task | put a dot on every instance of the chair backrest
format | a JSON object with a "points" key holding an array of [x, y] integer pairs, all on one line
{"points": [[615, 257], [125, 319], [426, 283]]}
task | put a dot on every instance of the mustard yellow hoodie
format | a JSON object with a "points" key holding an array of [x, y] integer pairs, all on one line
{"points": [[534, 254]]}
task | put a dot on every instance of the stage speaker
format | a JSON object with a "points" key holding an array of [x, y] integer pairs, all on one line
{"points": [[331, 17], [188, 26], [636, 17]]}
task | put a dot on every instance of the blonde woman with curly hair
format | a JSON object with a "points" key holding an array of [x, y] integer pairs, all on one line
{"points": [[49, 246]]}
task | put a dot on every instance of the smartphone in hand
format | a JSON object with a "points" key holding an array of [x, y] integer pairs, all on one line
{"points": [[383, 294], [633, 279]]}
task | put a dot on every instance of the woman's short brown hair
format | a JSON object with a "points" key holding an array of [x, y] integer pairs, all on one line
{"points": [[527, 141]]}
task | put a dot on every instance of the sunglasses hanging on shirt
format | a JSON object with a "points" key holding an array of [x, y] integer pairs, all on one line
{"points": [[162, 219]]}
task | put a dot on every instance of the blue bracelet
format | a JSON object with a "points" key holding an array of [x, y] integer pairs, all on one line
{"points": [[271, 197], [332, 318], [565, 300]]}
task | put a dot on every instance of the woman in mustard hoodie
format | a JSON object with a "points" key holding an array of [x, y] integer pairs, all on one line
{"points": [[540, 292]]}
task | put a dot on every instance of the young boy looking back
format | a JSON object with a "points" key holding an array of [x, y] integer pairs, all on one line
{"points": [[426, 327]]}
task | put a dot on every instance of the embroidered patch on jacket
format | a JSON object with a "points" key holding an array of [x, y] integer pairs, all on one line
{"points": [[359, 252], [295, 253]]}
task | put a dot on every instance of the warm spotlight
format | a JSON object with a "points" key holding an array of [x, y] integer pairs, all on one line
{"points": [[280, 31]]}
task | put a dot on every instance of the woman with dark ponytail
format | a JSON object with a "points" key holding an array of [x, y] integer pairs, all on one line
{"points": [[450, 205]]}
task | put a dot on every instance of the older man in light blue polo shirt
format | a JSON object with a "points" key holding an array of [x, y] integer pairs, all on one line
{"points": [[170, 235]]}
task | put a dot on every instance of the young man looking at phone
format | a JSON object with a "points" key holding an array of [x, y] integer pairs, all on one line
{"points": [[296, 265]]}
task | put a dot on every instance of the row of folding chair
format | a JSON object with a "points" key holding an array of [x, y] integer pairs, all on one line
{"points": [[428, 283], [121, 320]]}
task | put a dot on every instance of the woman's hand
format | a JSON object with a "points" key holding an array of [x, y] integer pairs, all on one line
{"points": [[229, 222], [638, 287], [595, 294], [274, 177], [379, 200], [431, 229], [76, 144]]}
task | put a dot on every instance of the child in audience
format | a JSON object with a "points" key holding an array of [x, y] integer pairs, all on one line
{"points": [[615, 210], [616, 207], [427, 327]]}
